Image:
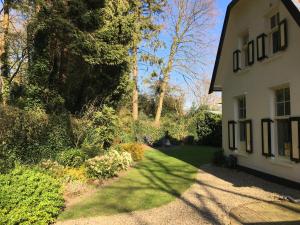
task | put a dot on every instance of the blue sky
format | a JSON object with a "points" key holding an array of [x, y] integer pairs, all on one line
{"points": [[177, 79]]}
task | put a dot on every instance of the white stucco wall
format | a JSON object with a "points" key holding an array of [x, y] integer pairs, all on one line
{"points": [[257, 82]]}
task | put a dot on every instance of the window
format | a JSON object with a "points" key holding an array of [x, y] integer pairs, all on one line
{"points": [[283, 111], [245, 54], [284, 137], [261, 47], [242, 122], [251, 53], [275, 33], [242, 107], [283, 104], [236, 61]]}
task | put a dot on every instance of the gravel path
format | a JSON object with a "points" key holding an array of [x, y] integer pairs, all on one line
{"points": [[210, 200]]}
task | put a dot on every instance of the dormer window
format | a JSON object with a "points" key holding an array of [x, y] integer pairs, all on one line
{"points": [[278, 34], [245, 55]]}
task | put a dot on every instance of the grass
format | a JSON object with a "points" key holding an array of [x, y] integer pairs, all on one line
{"points": [[157, 180]]}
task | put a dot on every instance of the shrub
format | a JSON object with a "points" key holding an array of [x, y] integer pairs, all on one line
{"points": [[209, 129], [108, 165], [96, 129], [136, 150], [29, 197], [30, 136], [71, 157], [75, 174]]}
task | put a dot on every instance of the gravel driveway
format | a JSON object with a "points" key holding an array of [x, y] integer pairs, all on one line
{"points": [[216, 193]]}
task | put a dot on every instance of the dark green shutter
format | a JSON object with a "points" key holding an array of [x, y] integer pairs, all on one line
{"points": [[231, 135], [283, 37], [261, 47], [266, 134], [251, 50]]}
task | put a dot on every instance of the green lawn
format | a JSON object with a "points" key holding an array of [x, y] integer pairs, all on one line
{"points": [[157, 180]]}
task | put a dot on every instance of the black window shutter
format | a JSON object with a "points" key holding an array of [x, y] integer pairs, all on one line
{"points": [[249, 136], [295, 137], [236, 61], [231, 135], [266, 134], [283, 37], [251, 53], [261, 47]]}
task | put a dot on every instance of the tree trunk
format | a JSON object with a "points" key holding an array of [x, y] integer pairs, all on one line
{"points": [[163, 89], [135, 94], [4, 47], [164, 84]]}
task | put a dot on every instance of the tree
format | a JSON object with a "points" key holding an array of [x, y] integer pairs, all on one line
{"points": [[80, 53], [4, 48], [145, 29], [188, 22], [203, 99]]}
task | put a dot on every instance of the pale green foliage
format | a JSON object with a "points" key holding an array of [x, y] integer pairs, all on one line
{"points": [[108, 165]]}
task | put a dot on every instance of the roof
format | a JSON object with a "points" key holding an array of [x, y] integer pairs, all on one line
{"points": [[293, 6], [297, 3]]}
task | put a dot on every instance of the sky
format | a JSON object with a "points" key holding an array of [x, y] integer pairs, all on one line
{"points": [[176, 79]]}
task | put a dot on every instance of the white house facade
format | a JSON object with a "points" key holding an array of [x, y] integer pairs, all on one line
{"points": [[258, 71]]}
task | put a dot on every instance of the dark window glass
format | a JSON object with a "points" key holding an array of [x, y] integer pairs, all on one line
{"points": [[276, 41], [287, 108], [283, 137], [275, 20], [280, 95], [280, 109], [242, 131], [287, 94], [242, 107]]}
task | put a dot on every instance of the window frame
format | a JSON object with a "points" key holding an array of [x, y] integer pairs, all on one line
{"points": [[236, 61], [251, 58], [284, 102], [263, 43]]}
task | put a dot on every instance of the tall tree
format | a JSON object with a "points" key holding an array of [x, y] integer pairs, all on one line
{"points": [[4, 48], [188, 22], [80, 53], [145, 29]]}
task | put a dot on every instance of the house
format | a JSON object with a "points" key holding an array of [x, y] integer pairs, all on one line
{"points": [[258, 72]]}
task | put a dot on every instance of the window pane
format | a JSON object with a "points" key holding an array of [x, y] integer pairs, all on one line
{"points": [[280, 109], [280, 95], [242, 131], [287, 108], [276, 42], [284, 137], [287, 94]]}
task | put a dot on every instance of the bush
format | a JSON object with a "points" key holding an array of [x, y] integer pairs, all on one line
{"points": [[209, 129], [29, 197], [30, 136], [71, 157], [136, 150], [96, 129], [75, 174], [108, 165], [66, 175]]}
